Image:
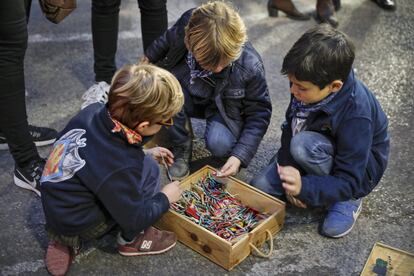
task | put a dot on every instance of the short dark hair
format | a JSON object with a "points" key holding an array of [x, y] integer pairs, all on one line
{"points": [[320, 56]]}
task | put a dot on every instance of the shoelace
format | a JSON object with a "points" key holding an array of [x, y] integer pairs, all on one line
{"points": [[36, 169]]}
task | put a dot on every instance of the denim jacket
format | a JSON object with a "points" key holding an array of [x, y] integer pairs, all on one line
{"points": [[240, 92], [357, 125]]}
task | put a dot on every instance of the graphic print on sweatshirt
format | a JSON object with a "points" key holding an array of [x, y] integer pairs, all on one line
{"points": [[64, 161]]}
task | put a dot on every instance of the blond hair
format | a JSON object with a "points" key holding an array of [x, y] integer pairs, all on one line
{"points": [[215, 34], [141, 93]]}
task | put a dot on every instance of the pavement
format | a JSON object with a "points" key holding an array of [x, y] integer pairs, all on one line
{"points": [[59, 68]]}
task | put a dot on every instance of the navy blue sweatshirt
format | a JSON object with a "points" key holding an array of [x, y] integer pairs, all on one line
{"points": [[94, 174]]}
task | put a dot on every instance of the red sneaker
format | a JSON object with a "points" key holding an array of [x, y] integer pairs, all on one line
{"points": [[58, 258], [152, 241]]}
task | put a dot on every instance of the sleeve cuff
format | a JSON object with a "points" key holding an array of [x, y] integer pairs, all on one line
{"points": [[163, 199]]}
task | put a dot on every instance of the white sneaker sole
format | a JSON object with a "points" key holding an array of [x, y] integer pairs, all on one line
{"points": [[5, 146], [349, 230], [24, 185], [130, 254]]}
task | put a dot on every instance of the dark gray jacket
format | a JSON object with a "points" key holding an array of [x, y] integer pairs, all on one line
{"points": [[239, 93]]}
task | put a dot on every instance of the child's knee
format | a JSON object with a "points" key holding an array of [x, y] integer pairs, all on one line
{"points": [[219, 145], [304, 147], [219, 148], [299, 148], [313, 151], [268, 181], [269, 186], [260, 182]]}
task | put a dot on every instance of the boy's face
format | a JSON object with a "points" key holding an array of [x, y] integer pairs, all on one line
{"points": [[309, 93]]}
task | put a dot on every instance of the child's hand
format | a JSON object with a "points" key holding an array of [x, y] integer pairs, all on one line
{"points": [[294, 201], [291, 179], [230, 168], [172, 191], [158, 152]]}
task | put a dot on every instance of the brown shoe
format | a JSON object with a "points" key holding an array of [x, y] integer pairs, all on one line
{"points": [[152, 241], [325, 12], [58, 258], [286, 6]]}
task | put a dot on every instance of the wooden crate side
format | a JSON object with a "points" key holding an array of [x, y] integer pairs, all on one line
{"points": [[197, 238], [239, 252], [257, 237], [253, 197]]}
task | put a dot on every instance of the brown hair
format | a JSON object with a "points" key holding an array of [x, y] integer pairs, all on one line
{"points": [[215, 34], [141, 93]]}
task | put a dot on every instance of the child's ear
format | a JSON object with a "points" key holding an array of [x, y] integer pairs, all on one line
{"points": [[141, 126], [336, 85]]}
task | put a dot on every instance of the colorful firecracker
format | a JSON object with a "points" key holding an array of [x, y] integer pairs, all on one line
{"points": [[209, 205]]}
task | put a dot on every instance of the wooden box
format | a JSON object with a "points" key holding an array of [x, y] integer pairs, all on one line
{"points": [[217, 249], [387, 260]]}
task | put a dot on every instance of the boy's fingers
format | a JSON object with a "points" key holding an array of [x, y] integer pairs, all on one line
{"points": [[287, 170], [288, 179], [288, 188], [225, 168], [168, 153]]}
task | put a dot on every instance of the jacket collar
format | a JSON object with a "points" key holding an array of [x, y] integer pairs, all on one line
{"points": [[343, 95], [117, 128]]}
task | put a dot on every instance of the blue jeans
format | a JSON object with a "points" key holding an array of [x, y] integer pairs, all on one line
{"points": [[217, 136], [313, 151], [219, 139]]}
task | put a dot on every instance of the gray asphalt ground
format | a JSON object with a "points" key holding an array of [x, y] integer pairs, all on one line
{"points": [[59, 68]]}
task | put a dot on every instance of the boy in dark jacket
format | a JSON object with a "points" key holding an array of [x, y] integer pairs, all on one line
{"points": [[98, 176], [223, 81], [335, 144]]}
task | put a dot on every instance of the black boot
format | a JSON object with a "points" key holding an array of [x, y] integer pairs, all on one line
{"points": [[325, 12], [182, 156], [286, 6], [337, 4], [386, 4]]}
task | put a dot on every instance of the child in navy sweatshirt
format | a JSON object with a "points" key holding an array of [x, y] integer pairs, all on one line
{"points": [[98, 175]]}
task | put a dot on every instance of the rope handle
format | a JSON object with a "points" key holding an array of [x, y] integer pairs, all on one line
{"points": [[260, 253]]}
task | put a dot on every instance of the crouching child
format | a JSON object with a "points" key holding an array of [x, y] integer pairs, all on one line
{"points": [[99, 177], [335, 143], [223, 80]]}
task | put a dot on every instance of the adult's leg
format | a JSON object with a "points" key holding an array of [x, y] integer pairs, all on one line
{"points": [[13, 117], [154, 20], [105, 20]]}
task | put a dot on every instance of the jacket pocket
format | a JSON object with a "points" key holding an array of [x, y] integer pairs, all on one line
{"points": [[233, 104], [371, 172]]}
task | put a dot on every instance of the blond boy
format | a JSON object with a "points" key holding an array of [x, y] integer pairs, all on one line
{"points": [[99, 177], [223, 81]]}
